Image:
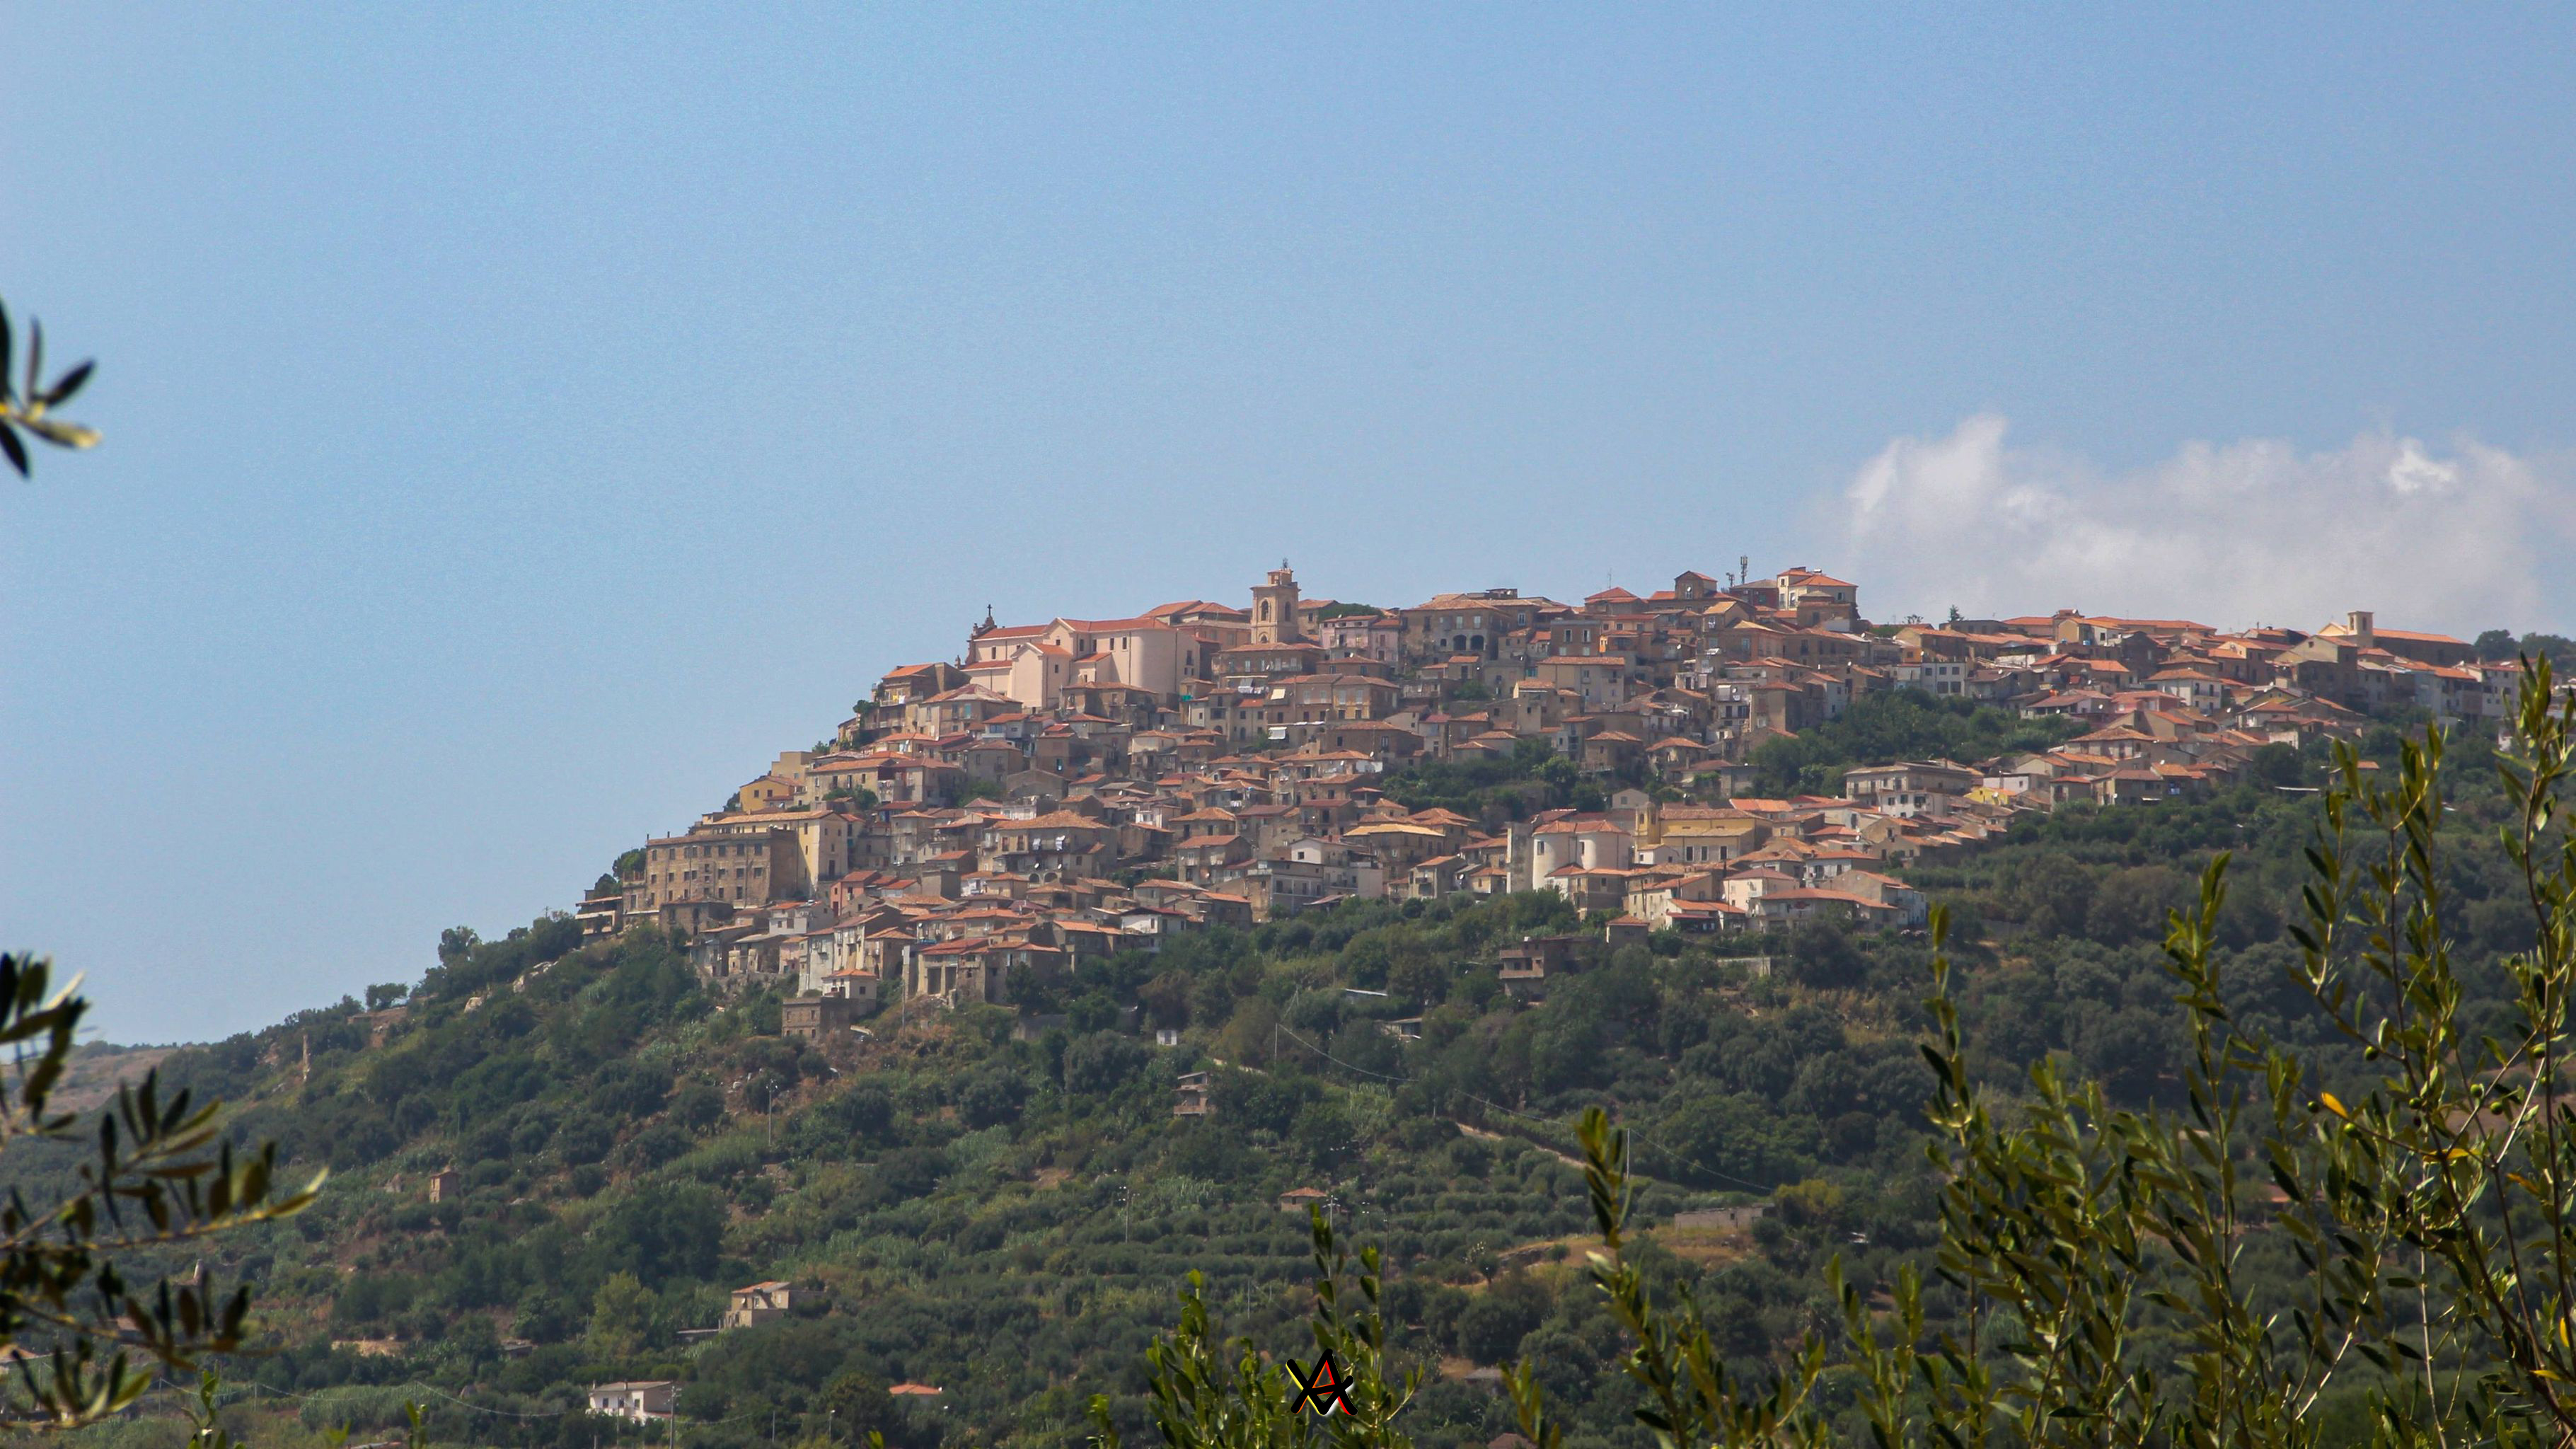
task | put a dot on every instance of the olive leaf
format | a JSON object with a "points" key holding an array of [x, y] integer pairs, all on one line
{"points": [[26, 408]]}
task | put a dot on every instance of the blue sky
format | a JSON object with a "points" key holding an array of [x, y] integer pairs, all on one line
{"points": [[523, 421]]}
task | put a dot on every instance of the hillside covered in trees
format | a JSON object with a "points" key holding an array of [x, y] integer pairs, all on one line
{"points": [[1004, 1214]]}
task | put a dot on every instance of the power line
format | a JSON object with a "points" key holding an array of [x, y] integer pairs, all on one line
{"points": [[1750, 1186], [508, 1413], [394, 1388], [1381, 1076], [442, 1393], [1633, 1132]]}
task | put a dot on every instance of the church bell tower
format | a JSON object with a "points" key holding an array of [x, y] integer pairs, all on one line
{"points": [[1274, 608]]}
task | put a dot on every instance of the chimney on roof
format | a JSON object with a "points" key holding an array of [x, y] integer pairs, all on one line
{"points": [[2358, 624]]}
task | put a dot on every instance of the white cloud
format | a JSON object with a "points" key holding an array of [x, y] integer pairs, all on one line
{"points": [[2230, 534]]}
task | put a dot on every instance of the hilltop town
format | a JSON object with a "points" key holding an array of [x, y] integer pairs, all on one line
{"points": [[904, 1086], [1081, 787], [752, 906]]}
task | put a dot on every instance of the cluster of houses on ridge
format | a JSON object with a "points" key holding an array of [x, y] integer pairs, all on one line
{"points": [[1090, 786]]}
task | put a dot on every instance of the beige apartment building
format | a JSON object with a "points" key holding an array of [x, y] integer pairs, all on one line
{"points": [[718, 866], [827, 839], [1468, 623]]}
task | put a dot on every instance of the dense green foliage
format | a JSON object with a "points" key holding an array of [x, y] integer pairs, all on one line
{"points": [[1530, 779], [1900, 724], [2558, 649]]}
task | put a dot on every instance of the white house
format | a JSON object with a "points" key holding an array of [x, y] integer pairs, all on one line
{"points": [[642, 1400]]}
